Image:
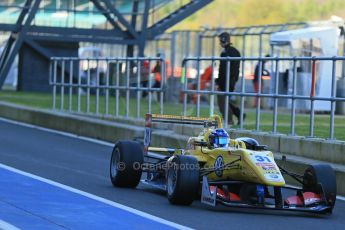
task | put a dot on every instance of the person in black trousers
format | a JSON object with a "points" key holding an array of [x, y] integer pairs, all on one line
{"points": [[228, 51], [257, 75]]}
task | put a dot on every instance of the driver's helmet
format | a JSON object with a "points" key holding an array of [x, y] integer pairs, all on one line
{"points": [[218, 138]]}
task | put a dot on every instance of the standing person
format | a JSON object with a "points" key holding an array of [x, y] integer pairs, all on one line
{"points": [[264, 72], [157, 71], [145, 74], [205, 79], [228, 51]]}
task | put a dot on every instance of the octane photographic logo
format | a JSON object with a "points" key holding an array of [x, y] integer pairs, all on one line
{"points": [[121, 166], [218, 166]]}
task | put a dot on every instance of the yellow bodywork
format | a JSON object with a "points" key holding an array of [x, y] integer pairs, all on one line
{"points": [[234, 162], [245, 167]]}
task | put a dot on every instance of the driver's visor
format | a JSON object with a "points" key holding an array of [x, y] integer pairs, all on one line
{"points": [[222, 140]]}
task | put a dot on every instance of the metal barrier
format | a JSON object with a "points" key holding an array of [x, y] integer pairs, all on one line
{"points": [[104, 76], [121, 78], [274, 95]]}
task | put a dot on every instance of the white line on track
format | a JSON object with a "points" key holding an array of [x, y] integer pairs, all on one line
{"points": [[68, 188], [341, 198], [6, 226], [97, 198], [58, 132], [79, 137]]}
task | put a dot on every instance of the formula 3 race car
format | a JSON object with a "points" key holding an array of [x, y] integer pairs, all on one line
{"points": [[220, 171]]}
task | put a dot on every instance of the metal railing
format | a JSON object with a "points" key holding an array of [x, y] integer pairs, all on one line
{"points": [[76, 82], [274, 94], [109, 77]]}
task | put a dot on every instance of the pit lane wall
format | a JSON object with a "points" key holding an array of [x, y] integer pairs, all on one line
{"points": [[300, 151]]}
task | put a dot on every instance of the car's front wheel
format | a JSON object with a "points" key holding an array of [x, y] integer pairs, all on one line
{"points": [[320, 179], [182, 180]]}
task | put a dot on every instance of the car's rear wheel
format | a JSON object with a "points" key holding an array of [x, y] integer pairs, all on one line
{"points": [[321, 179], [183, 180], [125, 164]]}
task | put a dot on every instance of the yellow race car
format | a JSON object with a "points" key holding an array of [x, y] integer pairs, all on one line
{"points": [[219, 170]]}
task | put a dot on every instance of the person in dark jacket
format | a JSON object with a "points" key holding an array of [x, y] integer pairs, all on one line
{"points": [[264, 72], [228, 51]]}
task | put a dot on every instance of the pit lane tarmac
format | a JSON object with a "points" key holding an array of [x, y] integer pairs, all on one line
{"points": [[83, 164]]}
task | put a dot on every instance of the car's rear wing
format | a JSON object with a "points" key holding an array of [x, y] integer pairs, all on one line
{"points": [[213, 121]]}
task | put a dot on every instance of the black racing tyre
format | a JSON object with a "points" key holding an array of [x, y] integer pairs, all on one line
{"points": [[140, 141], [183, 180], [125, 164], [320, 179]]}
